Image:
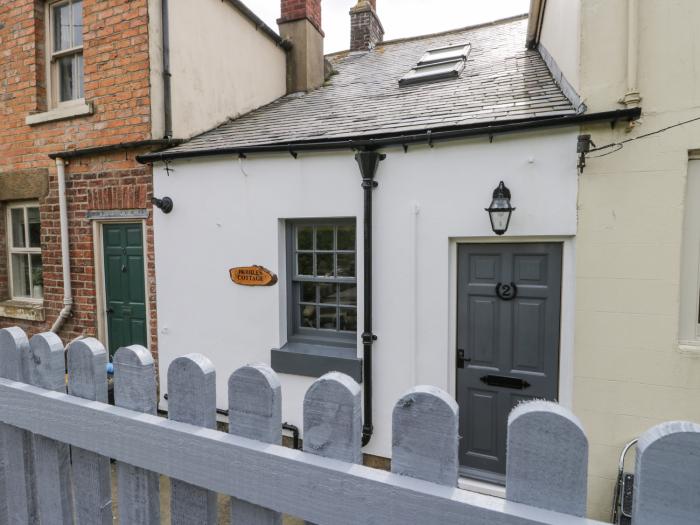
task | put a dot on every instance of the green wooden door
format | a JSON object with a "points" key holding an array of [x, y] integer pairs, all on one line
{"points": [[124, 285]]}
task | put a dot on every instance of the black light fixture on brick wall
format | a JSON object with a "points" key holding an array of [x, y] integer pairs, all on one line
{"points": [[500, 209]]}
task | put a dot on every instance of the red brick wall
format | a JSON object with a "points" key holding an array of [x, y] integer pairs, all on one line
{"points": [[117, 83], [298, 9]]}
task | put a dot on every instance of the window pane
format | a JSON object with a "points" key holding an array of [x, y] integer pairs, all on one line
{"points": [[305, 264], [34, 227], [305, 238], [65, 78], [37, 277], [18, 240], [308, 293], [324, 238], [328, 318], [346, 237], [308, 316], [346, 265], [324, 265], [348, 319], [77, 23], [20, 275], [348, 294], [61, 27], [79, 76], [328, 294]]}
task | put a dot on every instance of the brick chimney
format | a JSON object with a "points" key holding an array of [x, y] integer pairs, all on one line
{"points": [[300, 24], [366, 30]]}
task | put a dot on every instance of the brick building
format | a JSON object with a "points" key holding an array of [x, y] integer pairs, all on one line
{"points": [[85, 87]]}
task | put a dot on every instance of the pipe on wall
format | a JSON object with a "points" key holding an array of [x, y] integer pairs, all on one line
{"points": [[65, 253], [167, 90], [632, 97], [368, 161]]}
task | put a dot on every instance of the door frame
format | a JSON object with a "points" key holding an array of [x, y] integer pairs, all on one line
{"points": [[100, 285], [567, 314]]}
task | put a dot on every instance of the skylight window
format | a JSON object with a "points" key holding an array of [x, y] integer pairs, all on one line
{"points": [[437, 64], [460, 52]]}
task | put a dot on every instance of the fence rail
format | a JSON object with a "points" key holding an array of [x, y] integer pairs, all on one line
{"points": [[545, 482]]}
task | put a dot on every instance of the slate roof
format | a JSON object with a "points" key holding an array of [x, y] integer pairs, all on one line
{"points": [[502, 81]]}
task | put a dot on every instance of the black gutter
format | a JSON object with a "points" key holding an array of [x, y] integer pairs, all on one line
{"points": [[260, 25], [369, 162], [397, 139], [86, 152], [167, 90]]}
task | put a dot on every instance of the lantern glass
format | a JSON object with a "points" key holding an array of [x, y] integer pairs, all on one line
{"points": [[500, 210]]}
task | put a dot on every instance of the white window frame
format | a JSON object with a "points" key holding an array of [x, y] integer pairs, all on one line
{"points": [[12, 250], [689, 315], [52, 57]]}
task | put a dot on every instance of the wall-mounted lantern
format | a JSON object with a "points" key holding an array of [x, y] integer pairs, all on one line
{"points": [[165, 204], [500, 209]]}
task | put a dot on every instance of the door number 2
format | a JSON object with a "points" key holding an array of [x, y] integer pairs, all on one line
{"points": [[507, 292]]}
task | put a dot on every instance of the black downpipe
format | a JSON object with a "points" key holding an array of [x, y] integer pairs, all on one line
{"points": [[368, 160], [167, 91]]}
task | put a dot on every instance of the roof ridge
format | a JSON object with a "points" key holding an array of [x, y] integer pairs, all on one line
{"points": [[499, 21]]}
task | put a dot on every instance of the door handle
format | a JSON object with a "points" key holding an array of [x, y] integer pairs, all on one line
{"points": [[461, 360], [110, 310], [505, 382]]}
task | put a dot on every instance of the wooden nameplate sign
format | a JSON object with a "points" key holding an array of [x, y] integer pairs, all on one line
{"points": [[252, 276]]}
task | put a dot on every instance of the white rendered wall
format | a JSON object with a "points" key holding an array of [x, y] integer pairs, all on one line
{"points": [[230, 213]]}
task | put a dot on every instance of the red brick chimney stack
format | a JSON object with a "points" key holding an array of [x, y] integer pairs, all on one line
{"points": [[366, 30], [300, 24]]}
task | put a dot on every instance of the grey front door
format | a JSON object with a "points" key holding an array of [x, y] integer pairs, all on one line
{"points": [[508, 311]]}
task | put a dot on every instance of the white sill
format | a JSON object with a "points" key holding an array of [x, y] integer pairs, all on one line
{"points": [[689, 348], [482, 487], [28, 310], [75, 108]]}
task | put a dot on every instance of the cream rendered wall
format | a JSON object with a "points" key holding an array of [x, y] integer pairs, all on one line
{"points": [[629, 371], [560, 35], [230, 213], [221, 65]]}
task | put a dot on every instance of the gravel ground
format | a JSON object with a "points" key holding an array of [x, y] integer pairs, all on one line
{"points": [[224, 511]]}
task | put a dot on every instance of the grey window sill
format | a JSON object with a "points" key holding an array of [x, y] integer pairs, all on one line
{"points": [[79, 108], [314, 360], [29, 311]]}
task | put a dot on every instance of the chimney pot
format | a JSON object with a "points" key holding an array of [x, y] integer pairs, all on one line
{"points": [[366, 30]]}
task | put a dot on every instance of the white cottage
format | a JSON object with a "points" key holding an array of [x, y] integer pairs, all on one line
{"points": [[366, 198]]}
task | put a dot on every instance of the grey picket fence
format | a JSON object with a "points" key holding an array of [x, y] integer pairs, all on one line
{"points": [[56, 438]]}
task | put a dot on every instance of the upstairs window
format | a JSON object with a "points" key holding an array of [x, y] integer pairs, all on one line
{"points": [[24, 249], [323, 281], [66, 51], [437, 64]]}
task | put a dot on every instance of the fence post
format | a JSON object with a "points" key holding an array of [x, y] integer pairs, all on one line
{"points": [[87, 379], [547, 459], [192, 399], [46, 367], [425, 437], [255, 412], [667, 475], [332, 418], [135, 389], [17, 499]]}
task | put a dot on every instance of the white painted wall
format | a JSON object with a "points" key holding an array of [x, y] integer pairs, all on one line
{"points": [[561, 30], [230, 213], [222, 66]]}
